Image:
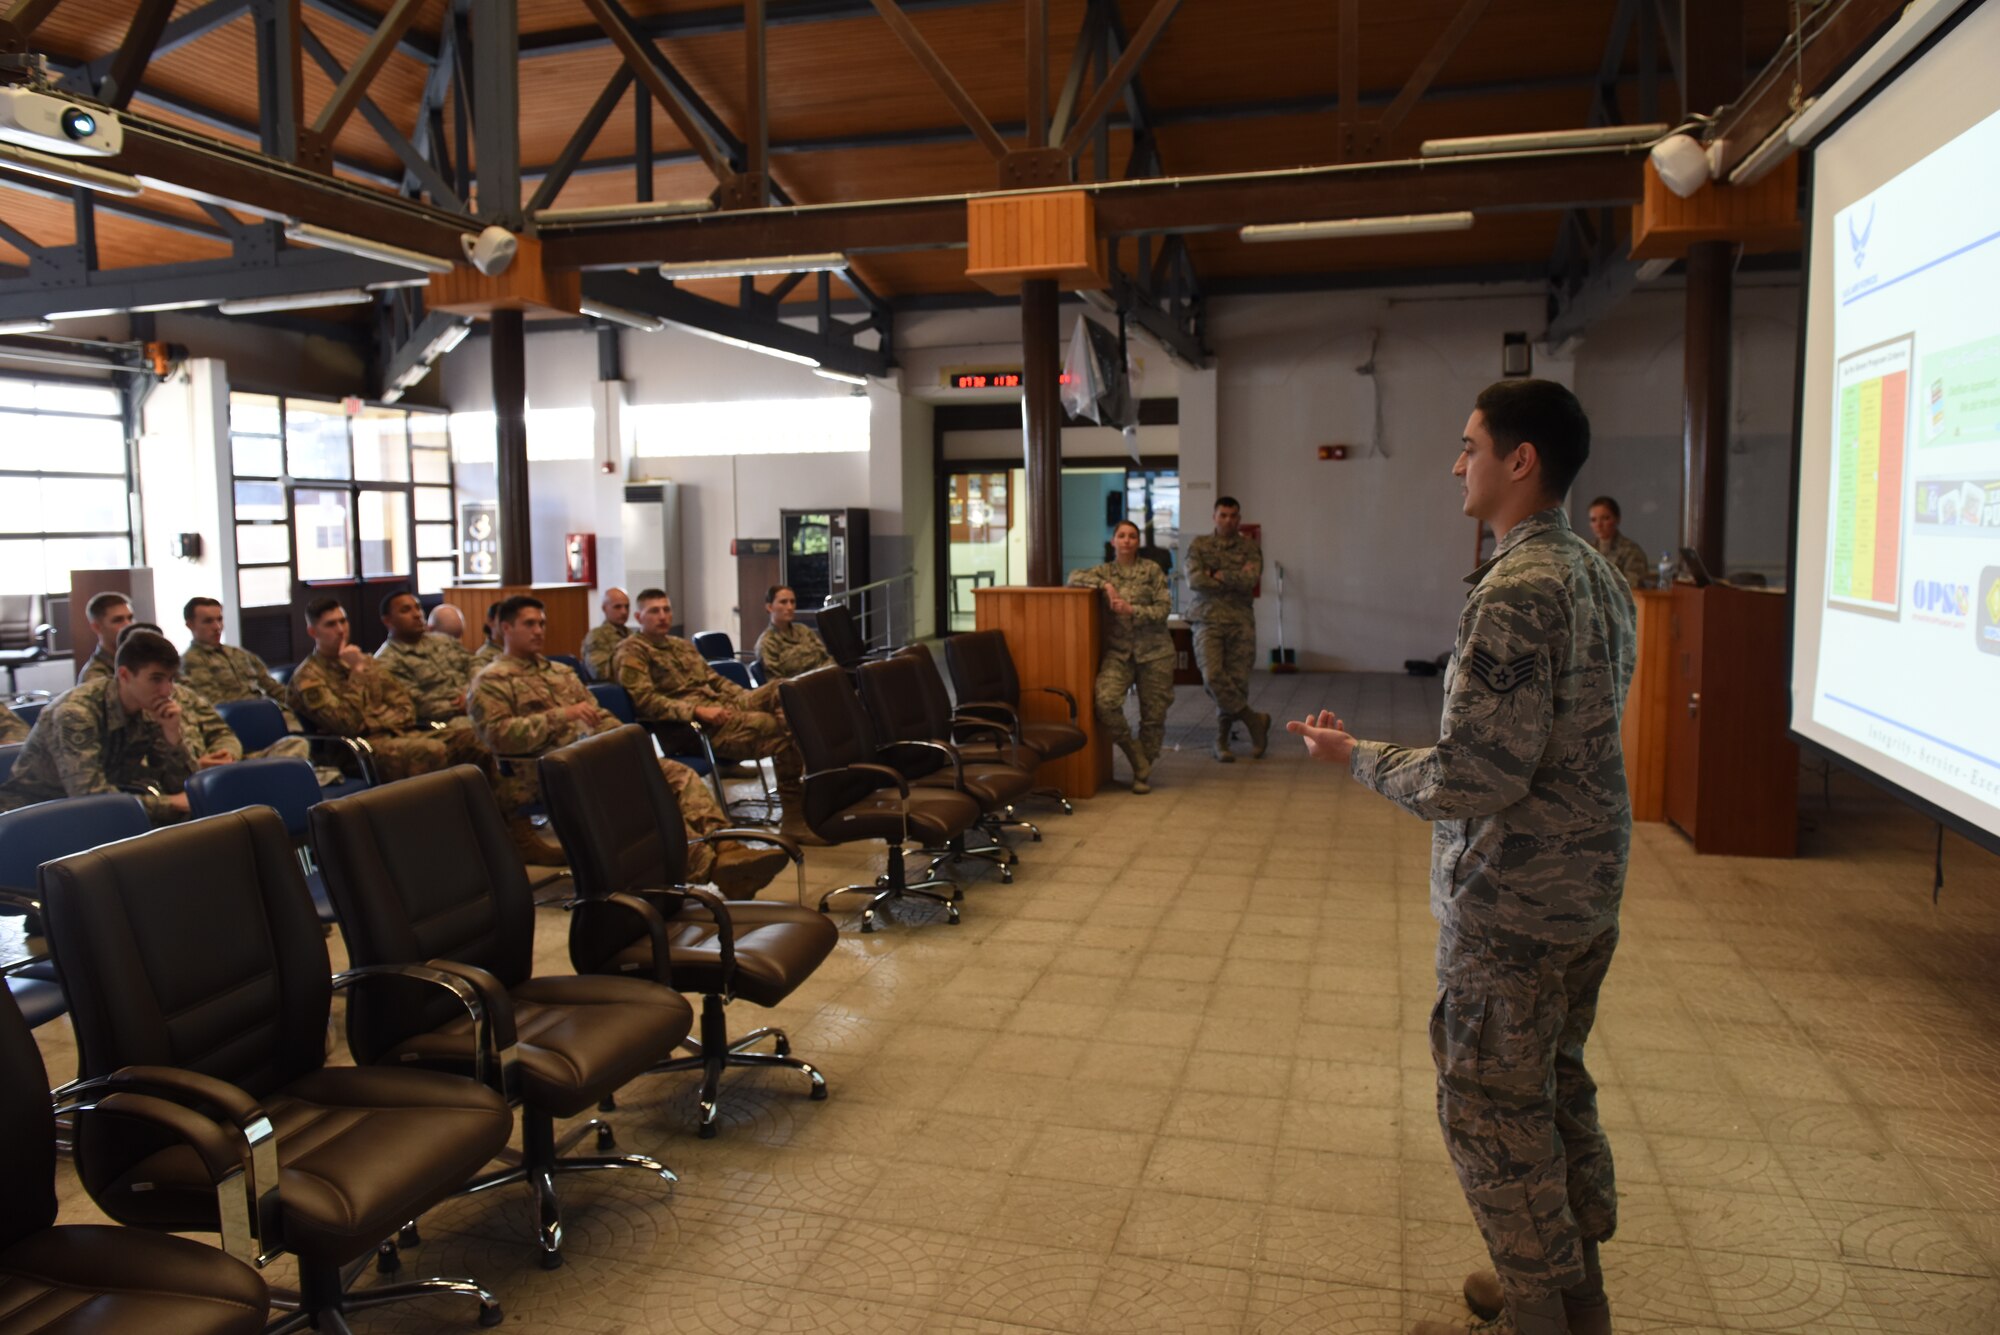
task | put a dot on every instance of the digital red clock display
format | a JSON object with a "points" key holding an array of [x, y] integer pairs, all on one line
{"points": [[991, 380]]}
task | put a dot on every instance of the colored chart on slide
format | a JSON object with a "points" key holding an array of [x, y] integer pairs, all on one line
{"points": [[1868, 478]]}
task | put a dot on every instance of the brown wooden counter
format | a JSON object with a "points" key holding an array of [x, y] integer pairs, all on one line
{"points": [[1055, 638], [568, 607]]}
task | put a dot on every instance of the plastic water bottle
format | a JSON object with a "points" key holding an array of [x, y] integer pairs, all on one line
{"points": [[1669, 563]]}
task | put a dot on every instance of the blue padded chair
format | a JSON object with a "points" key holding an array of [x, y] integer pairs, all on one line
{"points": [[9, 753], [29, 707], [42, 833], [259, 722], [713, 644], [732, 670], [616, 701], [285, 784], [759, 674], [572, 662]]}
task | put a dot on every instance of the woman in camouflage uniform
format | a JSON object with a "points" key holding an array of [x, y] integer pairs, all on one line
{"points": [[1136, 649], [788, 649]]}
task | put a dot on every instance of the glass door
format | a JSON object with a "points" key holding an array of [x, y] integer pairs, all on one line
{"points": [[986, 544]]}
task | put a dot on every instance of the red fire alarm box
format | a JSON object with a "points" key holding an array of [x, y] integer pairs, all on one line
{"points": [[580, 558]]}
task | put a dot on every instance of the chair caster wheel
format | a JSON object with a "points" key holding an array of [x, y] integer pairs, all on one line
{"points": [[1006, 876], [818, 1094], [491, 1316], [607, 1140], [609, 1103], [1035, 838], [387, 1261], [867, 923], [707, 1131], [953, 919], [781, 1044], [408, 1236], [550, 1261], [958, 894], [881, 881]]}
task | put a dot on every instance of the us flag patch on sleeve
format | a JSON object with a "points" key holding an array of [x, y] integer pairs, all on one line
{"points": [[1501, 678]]}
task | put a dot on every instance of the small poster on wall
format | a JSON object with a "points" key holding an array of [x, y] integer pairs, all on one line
{"points": [[479, 540]]}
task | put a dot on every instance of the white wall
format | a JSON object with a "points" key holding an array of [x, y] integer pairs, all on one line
{"points": [[184, 488]]}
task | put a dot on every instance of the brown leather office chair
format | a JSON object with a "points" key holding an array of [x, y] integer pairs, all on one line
{"points": [[621, 826], [88, 1277], [982, 674], [920, 749], [423, 872], [850, 796], [195, 952]]}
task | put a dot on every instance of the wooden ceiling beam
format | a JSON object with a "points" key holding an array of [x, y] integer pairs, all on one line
{"points": [[381, 43], [724, 20], [639, 53], [1121, 75], [1184, 204], [1428, 69], [954, 92]]}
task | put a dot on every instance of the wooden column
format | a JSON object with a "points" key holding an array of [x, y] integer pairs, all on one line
{"points": [[1042, 422], [1705, 400], [508, 349]]}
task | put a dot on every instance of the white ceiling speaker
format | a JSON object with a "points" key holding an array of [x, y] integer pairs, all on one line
{"points": [[491, 251], [1682, 164]]}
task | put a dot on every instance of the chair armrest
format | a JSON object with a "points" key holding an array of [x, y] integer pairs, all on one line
{"points": [[890, 776], [950, 754], [725, 929], [221, 1145], [492, 1011], [970, 723], [1005, 713], [357, 747], [655, 925], [190, 1089], [19, 900], [1067, 697], [735, 835]]}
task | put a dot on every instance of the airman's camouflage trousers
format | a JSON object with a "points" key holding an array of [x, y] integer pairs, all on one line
{"points": [[754, 733], [1519, 1110], [1225, 651], [292, 748], [407, 754], [1155, 680]]}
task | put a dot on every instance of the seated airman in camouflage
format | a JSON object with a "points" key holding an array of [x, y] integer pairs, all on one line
{"points": [[13, 728], [493, 648], [109, 613], [338, 689], [670, 682], [1137, 649], [435, 669], [597, 646], [524, 706], [122, 733], [788, 649], [212, 740], [221, 672]]}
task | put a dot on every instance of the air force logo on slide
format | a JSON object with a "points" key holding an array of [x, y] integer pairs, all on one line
{"points": [[1989, 610], [1857, 237], [1501, 678]]}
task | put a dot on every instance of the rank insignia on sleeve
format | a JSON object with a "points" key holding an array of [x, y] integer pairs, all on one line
{"points": [[1501, 678]]}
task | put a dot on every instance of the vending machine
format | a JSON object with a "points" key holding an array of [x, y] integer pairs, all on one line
{"points": [[823, 552]]}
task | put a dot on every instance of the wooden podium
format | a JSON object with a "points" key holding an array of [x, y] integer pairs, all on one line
{"points": [[1056, 639], [567, 605], [1732, 774], [1645, 724]]}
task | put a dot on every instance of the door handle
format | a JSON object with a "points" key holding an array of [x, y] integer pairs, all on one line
{"points": [[1694, 703]]}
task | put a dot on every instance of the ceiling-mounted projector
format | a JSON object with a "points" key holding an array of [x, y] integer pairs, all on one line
{"points": [[54, 124]]}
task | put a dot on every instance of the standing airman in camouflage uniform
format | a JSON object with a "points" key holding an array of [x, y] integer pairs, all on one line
{"points": [[13, 728], [125, 733], [524, 706], [338, 689], [1223, 569], [434, 669], [787, 649], [1136, 648], [597, 646], [669, 681], [109, 614], [1627, 557], [221, 672], [1526, 785]]}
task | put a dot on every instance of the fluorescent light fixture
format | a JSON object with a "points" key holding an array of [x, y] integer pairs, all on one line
{"points": [[25, 326], [659, 208], [826, 373], [95, 313], [306, 234], [1777, 146], [780, 353], [1652, 269], [155, 308], [1600, 136], [294, 301], [1335, 228], [390, 284], [444, 343], [618, 315], [52, 168], [832, 262], [1918, 22]]}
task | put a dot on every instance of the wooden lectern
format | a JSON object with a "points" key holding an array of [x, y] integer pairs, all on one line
{"points": [[1056, 638], [1732, 773]]}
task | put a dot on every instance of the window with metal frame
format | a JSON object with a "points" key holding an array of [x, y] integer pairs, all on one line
{"points": [[65, 481]]}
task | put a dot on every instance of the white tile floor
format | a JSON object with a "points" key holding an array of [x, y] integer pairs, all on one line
{"points": [[1175, 1078]]}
